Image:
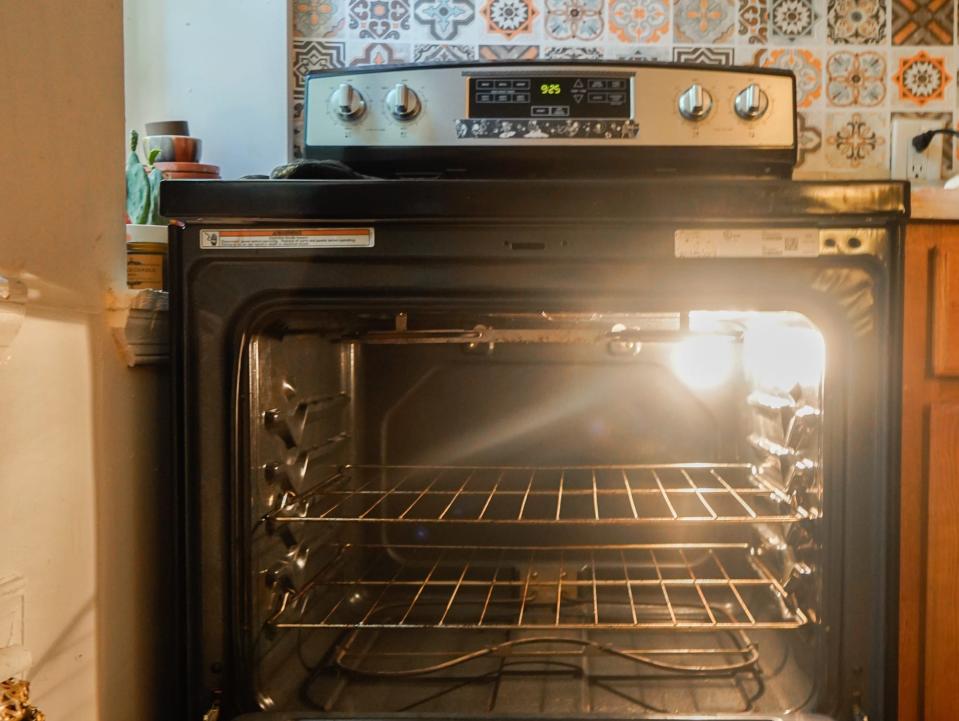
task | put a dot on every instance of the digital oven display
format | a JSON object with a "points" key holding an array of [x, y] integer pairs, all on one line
{"points": [[565, 96]]}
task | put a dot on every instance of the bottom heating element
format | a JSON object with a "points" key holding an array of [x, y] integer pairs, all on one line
{"points": [[560, 673]]}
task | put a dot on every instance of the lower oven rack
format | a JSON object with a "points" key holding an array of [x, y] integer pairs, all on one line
{"points": [[715, 493], [693, 587]]}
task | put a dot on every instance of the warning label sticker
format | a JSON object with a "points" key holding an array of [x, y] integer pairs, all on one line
{"points": [[747, 243], [286, 238]]}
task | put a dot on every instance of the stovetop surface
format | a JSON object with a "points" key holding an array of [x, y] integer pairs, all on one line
{"points": [[608, 200]]}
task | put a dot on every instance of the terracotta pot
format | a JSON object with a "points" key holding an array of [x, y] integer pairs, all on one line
{"points": [[188, 168], [170, 175]]}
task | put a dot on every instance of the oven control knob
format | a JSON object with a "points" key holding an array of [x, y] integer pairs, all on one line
{"points": [[402, 102], [348, 103], [751, 103], [695, 102]]}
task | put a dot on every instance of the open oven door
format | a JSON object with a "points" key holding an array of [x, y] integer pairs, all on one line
{"points": [[449, 452]]}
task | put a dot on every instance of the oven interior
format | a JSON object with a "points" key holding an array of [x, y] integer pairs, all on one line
{"points": [[477, 513]]}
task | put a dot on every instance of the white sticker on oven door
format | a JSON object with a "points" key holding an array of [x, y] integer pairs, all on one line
{"points": [[747, 243], [286, 238]]}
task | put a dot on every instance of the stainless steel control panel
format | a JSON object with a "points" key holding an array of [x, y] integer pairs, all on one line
{"points": [[549, 104]]}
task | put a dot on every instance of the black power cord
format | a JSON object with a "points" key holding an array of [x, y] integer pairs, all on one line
{"points": [[922, 141]]}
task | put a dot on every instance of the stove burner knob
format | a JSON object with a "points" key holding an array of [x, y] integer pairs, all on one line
{"points": [[403, 102], [751, 103], [695, 103], [348, 103]]}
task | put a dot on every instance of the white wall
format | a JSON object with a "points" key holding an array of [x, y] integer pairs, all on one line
{"points": [[47, 504], [61, 233], [83, 450], [223, 66], [133, 471], [81, 435]]}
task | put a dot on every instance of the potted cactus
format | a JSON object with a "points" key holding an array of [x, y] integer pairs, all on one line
{"points": [[143, 186], [146, 228]]}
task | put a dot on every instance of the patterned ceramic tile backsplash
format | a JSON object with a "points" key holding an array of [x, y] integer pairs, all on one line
{"points": [[859, 63]]}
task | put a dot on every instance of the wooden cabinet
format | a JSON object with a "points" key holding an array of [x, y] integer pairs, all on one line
{"points": [[929, 532]]}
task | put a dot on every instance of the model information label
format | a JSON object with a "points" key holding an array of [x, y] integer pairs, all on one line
{"points": [[747, 243], [286, 238]]}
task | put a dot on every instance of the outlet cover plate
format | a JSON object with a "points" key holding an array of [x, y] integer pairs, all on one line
{"points": [[11, 610], [907, 163]]}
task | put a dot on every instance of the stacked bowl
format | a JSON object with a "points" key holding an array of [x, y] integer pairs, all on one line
{"points": [[179, 153]]}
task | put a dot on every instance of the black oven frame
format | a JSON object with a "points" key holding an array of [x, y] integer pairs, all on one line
{"points": [[469, 239]]}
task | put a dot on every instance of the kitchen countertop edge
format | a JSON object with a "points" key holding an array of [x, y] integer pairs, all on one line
{"points": [[934, 203]]}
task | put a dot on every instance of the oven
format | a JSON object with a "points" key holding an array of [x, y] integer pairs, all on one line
{"points": [[598, 446]]}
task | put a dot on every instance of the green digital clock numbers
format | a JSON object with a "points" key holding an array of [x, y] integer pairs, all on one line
{"points": [[551, 97]]}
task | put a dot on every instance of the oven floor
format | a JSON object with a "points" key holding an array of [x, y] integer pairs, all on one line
{"points": [[566, 672]]}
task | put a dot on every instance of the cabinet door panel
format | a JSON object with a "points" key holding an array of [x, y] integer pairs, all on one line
{"points": [[929, 510], [945, 315], [942, 564]]}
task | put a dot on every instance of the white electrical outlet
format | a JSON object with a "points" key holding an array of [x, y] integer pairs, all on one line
{"points": [[907, 162], [15, 660], [11, 610]]}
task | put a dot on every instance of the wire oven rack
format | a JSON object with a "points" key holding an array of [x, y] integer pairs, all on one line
{"points": [[642, 586], [592, 495]]}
